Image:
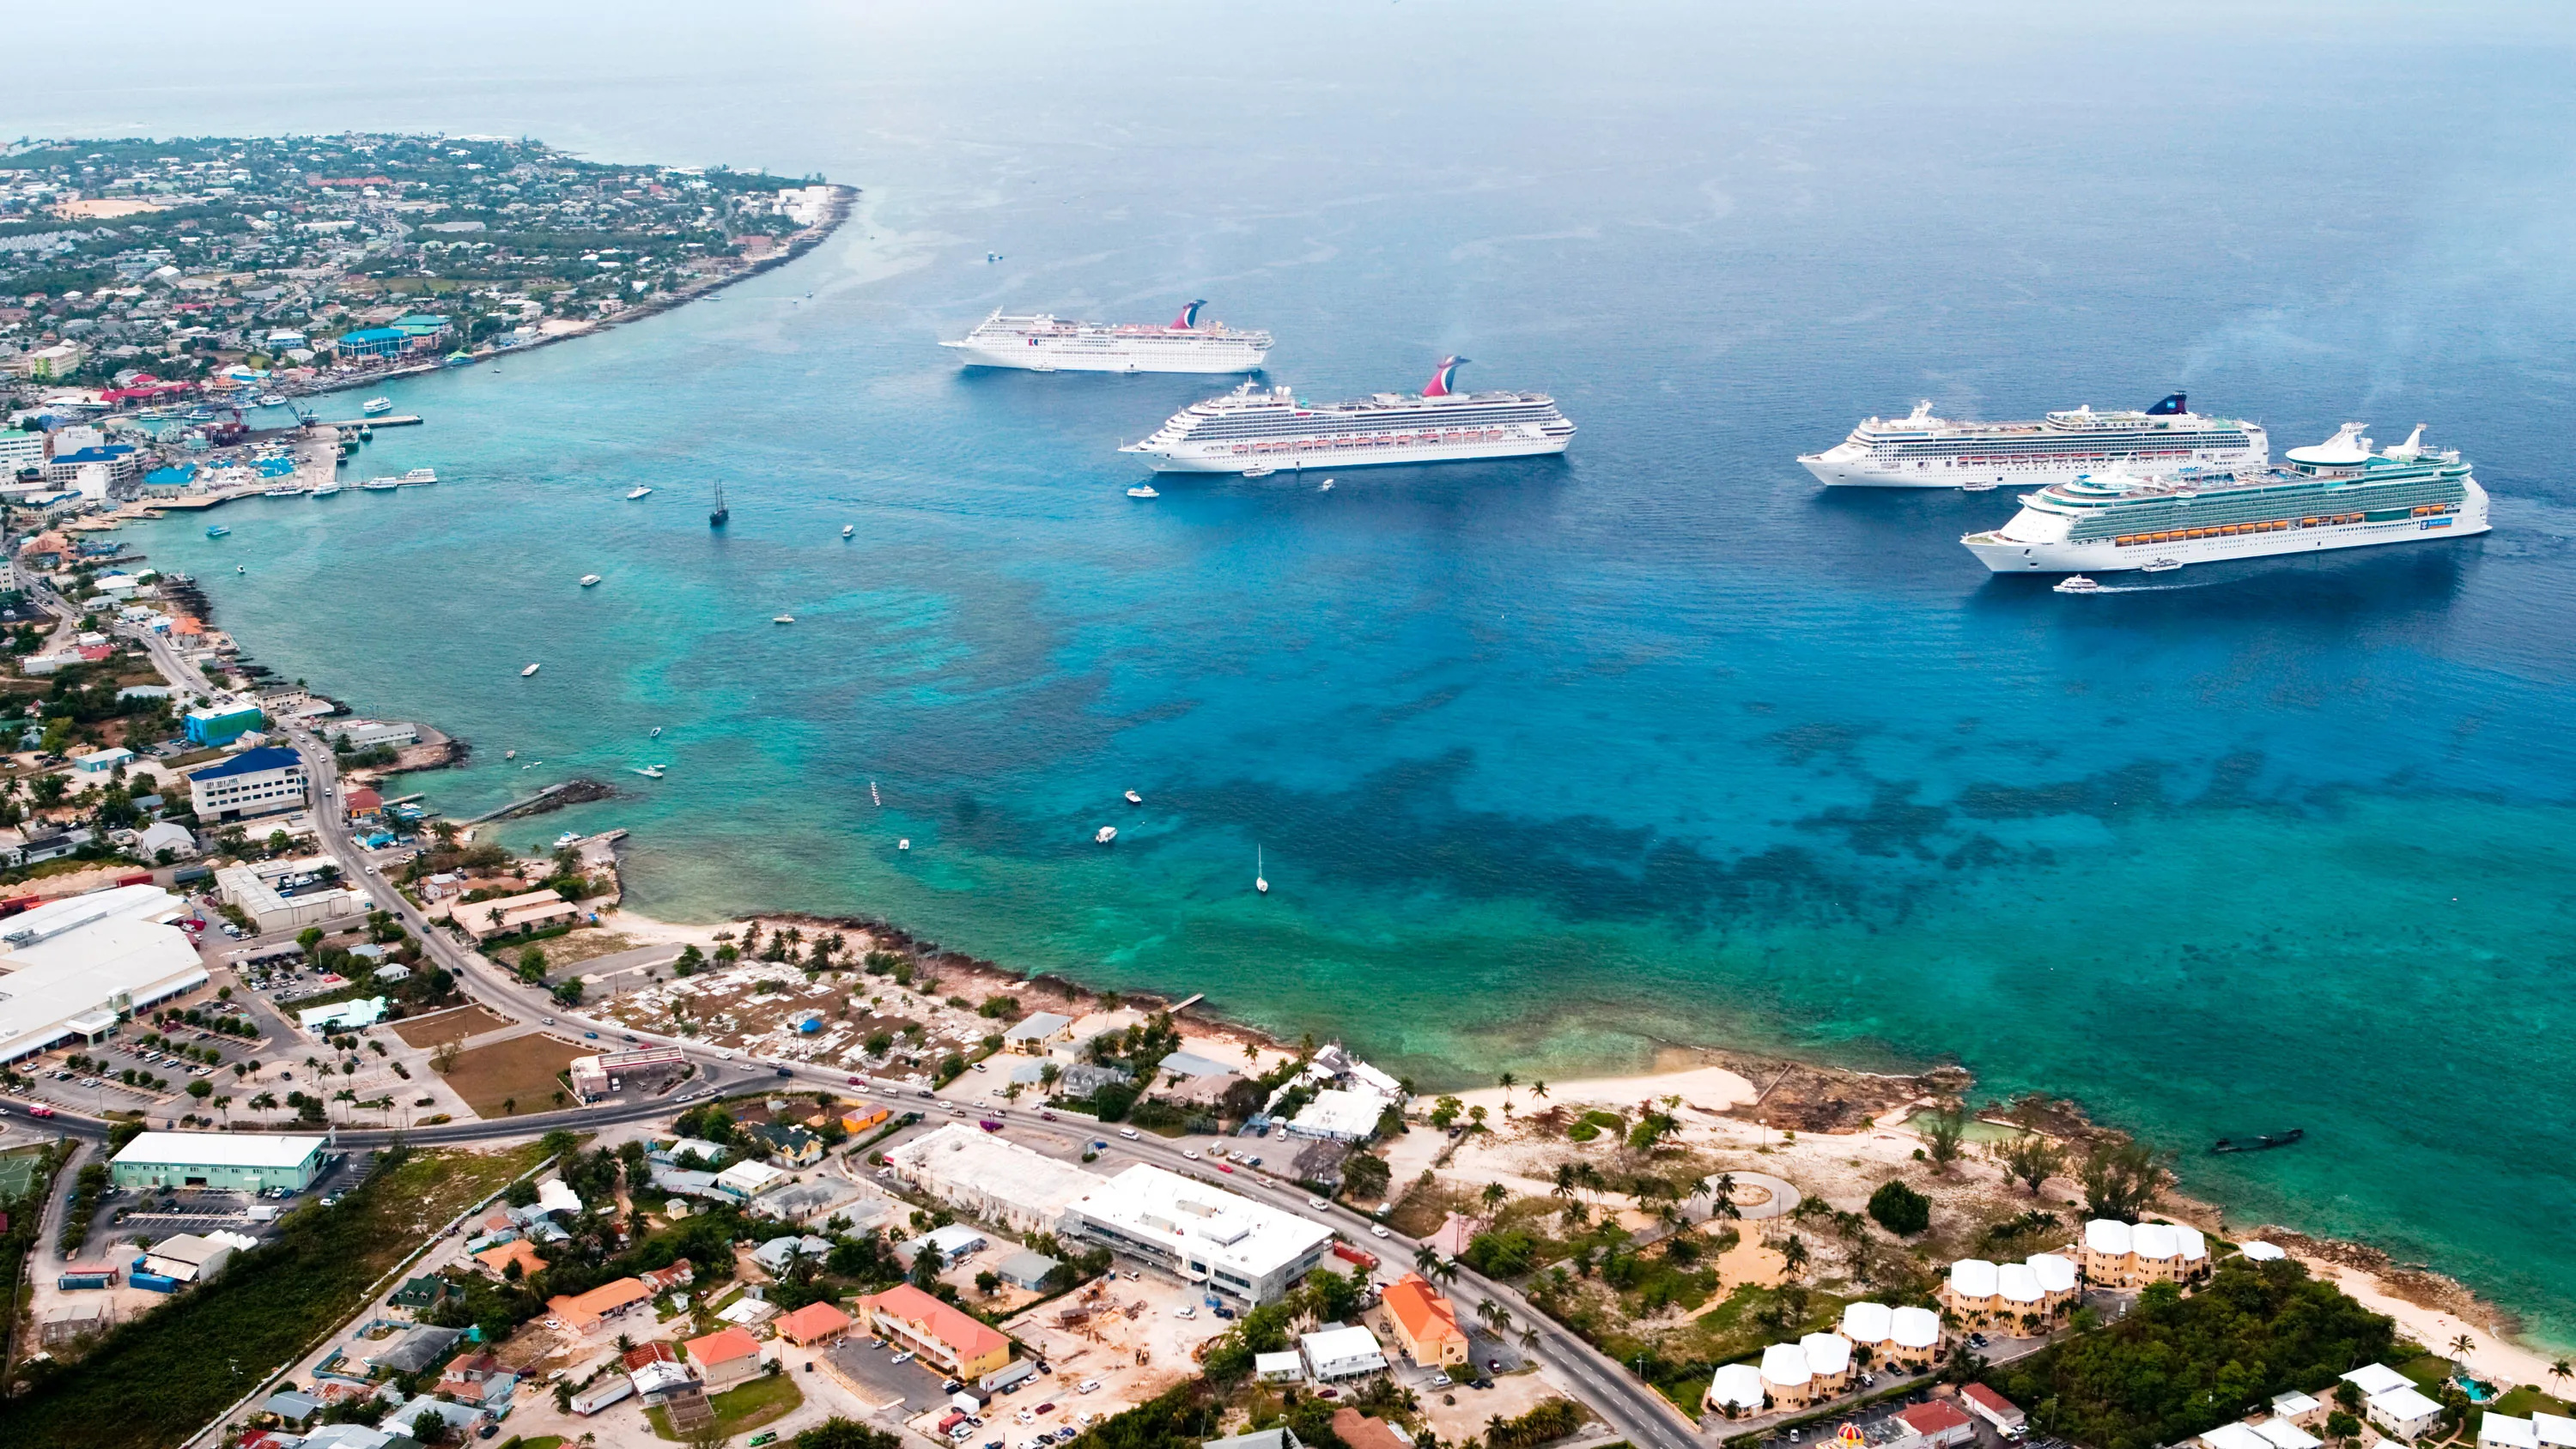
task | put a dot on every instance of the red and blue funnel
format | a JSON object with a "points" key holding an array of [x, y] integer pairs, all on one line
{"points": [[1443, 382]]}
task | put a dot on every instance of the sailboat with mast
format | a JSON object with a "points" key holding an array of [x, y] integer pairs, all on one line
{"points": [[716, 519]]}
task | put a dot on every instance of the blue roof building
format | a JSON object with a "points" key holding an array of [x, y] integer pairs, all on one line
{"points": [[375, 342]]}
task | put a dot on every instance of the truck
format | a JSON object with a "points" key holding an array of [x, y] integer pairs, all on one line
{"points": [[1349, 1254]]}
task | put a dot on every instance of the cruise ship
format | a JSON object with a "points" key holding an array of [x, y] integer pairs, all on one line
{"points": [[1042, 343], [1922, 451], [2334, 494], [1255, 432]]}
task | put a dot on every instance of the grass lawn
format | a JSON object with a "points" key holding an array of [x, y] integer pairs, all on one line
{"points": [[2521, 1401], [447, 1026], [744, 1407], [519, 1071], [154, 1382]]}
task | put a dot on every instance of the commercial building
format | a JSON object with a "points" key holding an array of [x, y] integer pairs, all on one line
{"points": [[374, 342], [288, 895], [1424, 1324], [1937, 1423], [509, 915], [965, 1346], [230, 1161], [954, 1244], [611, 1072], [1025, 1269], [353, 735], [1999, 1411], [582, 1312], [1333, 1354], [988, 1177], [269, 780], [71, 969], [220, 724], [744, 1182], [1341, 1116], [1199, 1233], [342, 1016], [189, 1258]]}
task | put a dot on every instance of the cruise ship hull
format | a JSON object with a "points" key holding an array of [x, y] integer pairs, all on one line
{"points": [[1202, 359], [2003, 553], [1859, 470], [1282, 459]]}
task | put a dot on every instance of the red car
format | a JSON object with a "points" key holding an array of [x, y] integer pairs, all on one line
{"points": [[855, 1082], [40, 1110], [1225, 1167]]}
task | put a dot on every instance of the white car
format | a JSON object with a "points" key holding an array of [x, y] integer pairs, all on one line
{"points": [[904, 1357], [1377, 1230], [1127, 1132], [1318, 1204], [1087, 1386], [1192, 1156]]}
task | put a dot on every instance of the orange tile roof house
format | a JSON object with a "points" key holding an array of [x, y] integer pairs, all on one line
{"points": [[1424, 1323], [583, 1312], [964, 1345], [813, 1323], [498, 1260], [726, 1356]]}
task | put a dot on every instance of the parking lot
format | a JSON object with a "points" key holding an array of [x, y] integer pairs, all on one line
{"points": [[881, 1381]]}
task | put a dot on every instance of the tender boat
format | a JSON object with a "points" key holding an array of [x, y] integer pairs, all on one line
{"points": [[421, 475], [783, 619], [848, 528], [2077, 584], [1107, 834], [1144, 490], [639, 492], [649, 772], [524, 673], [1982, 485], [376, 406], [655, 733], [381, 485], [2160, 566], [272, 400], [509, 754], [589, 579], [716, 516], [569, 837], [216, 530], [1135, 799], [904, 844], [286, 491], [1259, 470], [327, 490], [1324, 487]]}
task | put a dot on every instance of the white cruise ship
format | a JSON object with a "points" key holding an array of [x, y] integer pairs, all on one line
{"points": [[1041, 343], [1922, 451], [2336, 494], [1257, 432]]}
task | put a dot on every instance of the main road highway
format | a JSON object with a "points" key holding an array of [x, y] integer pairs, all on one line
{"points": [[1632, 1407]]}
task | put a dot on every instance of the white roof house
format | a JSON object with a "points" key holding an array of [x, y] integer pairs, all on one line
{"points": [[2405, 1412], [2556, 1431], [1283, 1367], [747, 1179], [2234, 1436], [1827, 1354], [1914, 1328], [2016, 1283], [2374, 1379], [1341, 1115], [2504, 1431], [2258, 1251], [1200, 1231], [1972, 1278], [2054, 1274], [2293, 1404], [1341, 1353], [1865, 1322], [1737, 1386], [2282, 1434], [2108, 1236], [1784, 1366], [2161, 1242]]}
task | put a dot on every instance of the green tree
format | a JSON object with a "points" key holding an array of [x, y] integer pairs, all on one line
{"points": [[2031, 1160], [1900, 1209], [1943, 1134], [2122, 1179]]}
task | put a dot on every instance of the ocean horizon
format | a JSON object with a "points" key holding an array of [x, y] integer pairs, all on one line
{"points": [[1553, 764]]}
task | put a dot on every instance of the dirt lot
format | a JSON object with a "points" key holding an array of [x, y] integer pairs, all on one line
{"points": [[446, 1026], [1459, 1414], [521, 1070], [1130, 1319]]}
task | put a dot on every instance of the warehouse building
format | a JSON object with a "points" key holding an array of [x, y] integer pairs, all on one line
{"points": [[231, 1161], [998, 1181], [1199, 1233], [71, 969]]}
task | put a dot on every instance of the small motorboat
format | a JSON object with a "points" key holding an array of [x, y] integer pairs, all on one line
{"points": [[509, 754], [1260, 879], [1324, 487], [904, 844], [421, 475], [2077, 584], [237, 568], [2160, 566], [649, 772], [272, 400], [1107, 833], [2262, 1142], [285, 491], [1978, 487], [1259, 470], [589, 579], [1143, 490], [640, 492], [524, 673], [216, 530], [569, 837], [783, 619], [376, 407], [655, 734], [848, 528], [1135, 799], [381, 485], [328, 490]]}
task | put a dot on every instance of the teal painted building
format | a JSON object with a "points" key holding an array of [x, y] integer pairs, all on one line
{"points": [[221, 725]]}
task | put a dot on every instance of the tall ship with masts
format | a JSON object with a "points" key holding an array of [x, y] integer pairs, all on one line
{"points": [[1040, 342]]}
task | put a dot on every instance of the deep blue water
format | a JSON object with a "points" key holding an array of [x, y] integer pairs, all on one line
{"points": [[1552, 763]]}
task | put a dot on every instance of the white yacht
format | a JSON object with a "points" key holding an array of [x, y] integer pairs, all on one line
{"points": [[640, 492]]}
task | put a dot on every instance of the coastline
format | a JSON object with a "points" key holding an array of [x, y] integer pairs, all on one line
{"points": [[1809, 1112]]}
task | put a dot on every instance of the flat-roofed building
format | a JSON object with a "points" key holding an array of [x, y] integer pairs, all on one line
{"points": [[1199, 1233], [265, 781], [994, 1179], [70, 969], [228, 1161], [283, 895], [1334, 1354]]}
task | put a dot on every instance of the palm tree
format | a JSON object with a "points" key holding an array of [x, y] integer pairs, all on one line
{"points": [[1538, 1087], [1793, 1255], [2560, 1371], [2461, 1347], [1495, 1315], [1493, 1197], [1721, 1198], [1425, 1261]]}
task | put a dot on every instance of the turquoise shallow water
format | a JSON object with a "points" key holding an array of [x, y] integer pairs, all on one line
{"points": [[1553, 763]]}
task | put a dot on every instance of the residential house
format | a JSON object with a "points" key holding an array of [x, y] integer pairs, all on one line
{"points": [[778, 1255], [1362, 1431], [726, 1356], [789, 1145], [584, 1312], [663, 1280], [1337, 1353], [812, 1324], [498, 1260], [1037, 1032]]}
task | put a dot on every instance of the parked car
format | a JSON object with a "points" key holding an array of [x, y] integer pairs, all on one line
{"points": [[904, 1357], [1377, 1230]]}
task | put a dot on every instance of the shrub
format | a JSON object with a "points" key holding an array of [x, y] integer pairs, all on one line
{"points": [[1900, 1209]]}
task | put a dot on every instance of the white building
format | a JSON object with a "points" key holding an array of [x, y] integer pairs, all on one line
{"points": [[2404, 1413], [999, 1181], [265, 781], [2556, 1431], [1333, 1354], [1199, 1233], [2233, 1436], [2282, 1434], [342, 1016], [260, 893], [1737, 1389], [2504, 1431], [746, 1181], [70, 968], [1283, 1367], [1342, 1116], [353, 735]]}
